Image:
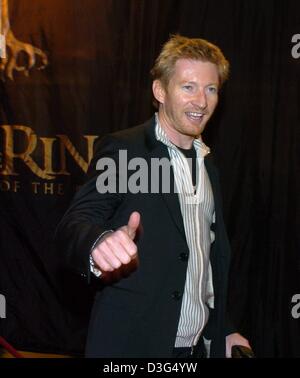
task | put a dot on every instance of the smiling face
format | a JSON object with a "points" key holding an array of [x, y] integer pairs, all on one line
{"points": [[188, 101]]}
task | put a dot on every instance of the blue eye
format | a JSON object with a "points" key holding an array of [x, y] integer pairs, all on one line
{"points": [[187, 87], [212, 89]]}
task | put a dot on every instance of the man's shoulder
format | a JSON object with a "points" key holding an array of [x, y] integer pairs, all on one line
{"points": [[134, 139], [134, 134]]}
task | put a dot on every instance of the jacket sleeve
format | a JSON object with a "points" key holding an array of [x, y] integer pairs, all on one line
{"points": [[89, 212]]}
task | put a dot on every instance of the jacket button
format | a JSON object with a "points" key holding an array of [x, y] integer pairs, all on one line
{"points": [[183, 256], [176, 295]]}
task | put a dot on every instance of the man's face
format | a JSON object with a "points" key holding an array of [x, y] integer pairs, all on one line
{"points": [[189, 100]]}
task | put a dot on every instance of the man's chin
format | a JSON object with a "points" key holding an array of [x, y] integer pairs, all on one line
{"points": [[198, 126], [198, 130]]}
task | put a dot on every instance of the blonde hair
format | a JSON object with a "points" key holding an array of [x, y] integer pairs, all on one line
{"points": [[179, 47]]}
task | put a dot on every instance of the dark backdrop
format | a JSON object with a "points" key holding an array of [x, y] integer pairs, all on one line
{"points": [[97, 80]]}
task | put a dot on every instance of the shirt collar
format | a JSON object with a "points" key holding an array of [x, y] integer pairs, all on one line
{"points": [[161, 136]]}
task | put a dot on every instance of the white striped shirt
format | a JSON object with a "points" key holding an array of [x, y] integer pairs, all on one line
{"points": [[197, 209]]}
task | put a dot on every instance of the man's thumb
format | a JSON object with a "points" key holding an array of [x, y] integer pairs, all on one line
{"points": [[133, 224]]}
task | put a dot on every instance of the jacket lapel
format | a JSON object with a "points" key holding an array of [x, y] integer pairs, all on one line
{"points": [[159, 150], [212, 174]]}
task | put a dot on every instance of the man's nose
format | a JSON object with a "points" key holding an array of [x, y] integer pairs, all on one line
{"points": [[200, 100]]}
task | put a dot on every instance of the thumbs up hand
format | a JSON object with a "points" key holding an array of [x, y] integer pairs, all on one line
{"points": [[117, 248]]}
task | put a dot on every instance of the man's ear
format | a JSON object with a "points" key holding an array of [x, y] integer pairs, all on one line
{"points": [[159, 92]]}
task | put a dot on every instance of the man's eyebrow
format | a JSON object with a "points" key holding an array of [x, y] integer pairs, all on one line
{"points": [[188, 82], [216, 84]]}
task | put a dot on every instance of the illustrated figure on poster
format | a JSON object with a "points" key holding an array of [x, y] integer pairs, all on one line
{"points": [[11, 48]]}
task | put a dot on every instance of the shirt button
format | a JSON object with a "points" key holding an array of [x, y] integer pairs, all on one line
{"points": [[176, 295], [183, 256]]}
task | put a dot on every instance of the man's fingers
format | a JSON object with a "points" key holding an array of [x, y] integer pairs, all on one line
{"points": [[101, 261], [118, 248], [123, 250], [114, 251], [133, 224], [121, 236]]}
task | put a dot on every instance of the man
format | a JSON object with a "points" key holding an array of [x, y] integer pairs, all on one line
{"points": [[161, 253]]}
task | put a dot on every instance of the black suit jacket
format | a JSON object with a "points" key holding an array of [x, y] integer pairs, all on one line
{"points": [[138, 314]]}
